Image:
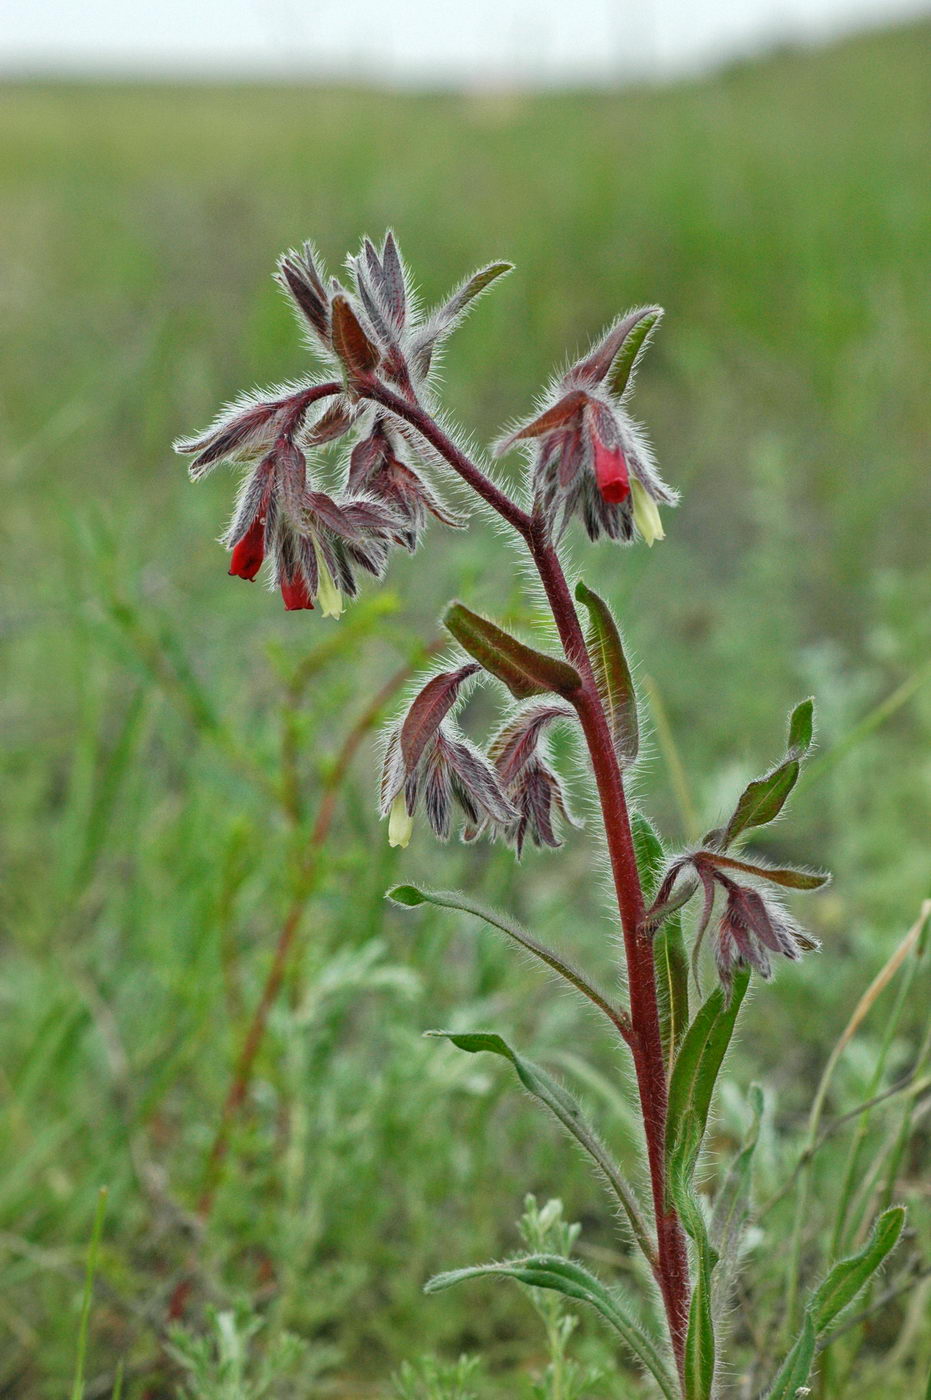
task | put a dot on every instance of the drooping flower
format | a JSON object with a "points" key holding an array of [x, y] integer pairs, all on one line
{"points": [[314, 542], [519, 756], [592, 460], [427, 760], [752, 926], [377, 468]]}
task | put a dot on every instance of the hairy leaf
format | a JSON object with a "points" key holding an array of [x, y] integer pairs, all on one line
{"points": [[523, 670], [565, 1109], [842, 1284], [612, 673], [570, 1279], [350, 342], [788, 877], [642, 324], [428, 711], [762, 800], [410, 896], [700, 1058]]}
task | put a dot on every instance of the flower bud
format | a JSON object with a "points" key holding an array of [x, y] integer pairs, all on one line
{"points": [[646, 514]]}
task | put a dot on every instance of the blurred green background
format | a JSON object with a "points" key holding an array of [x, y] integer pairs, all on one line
{"points": [[153, 707]]}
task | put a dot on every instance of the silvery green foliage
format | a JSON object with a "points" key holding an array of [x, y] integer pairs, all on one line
{"points": [[428, 1378], [226, 1364]]}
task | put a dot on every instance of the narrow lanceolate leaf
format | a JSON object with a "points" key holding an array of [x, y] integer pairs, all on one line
{"points": [[846, 1279], [788, 877], [411, 896], [762, 800], [565, 1109], [795, 1370], [570, 1279], [839, 1288], [642, 324], [700, 1058], [523, 670], [350, 342], [700, 1352], [612, 674], [669, 957], [470, 289], [428, 711]]}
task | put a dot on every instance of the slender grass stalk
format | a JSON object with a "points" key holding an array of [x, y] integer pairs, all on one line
{"points": [[87, 1298]]}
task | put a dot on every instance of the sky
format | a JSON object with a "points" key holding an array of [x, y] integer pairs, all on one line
{"points": [[403, 42]]}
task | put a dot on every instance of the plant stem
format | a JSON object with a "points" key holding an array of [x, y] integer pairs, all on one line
{"points": [[645, 1040]]}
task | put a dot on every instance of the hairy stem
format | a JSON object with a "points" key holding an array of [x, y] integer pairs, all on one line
{"points": [[645, 1040]]}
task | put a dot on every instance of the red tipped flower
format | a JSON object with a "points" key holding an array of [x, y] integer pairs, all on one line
{"points": [[592, 459], [249, 551], [295, 593], [611, 472]]}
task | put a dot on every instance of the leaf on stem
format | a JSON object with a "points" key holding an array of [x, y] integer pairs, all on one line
{"points": [[410, 896], [571, 1279], [700, 1058], [612, 674], [762, 800], [842, 1284], [523, 670], [564, 1108]]}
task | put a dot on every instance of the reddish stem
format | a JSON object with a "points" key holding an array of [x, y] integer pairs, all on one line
{"points": [[645, 1041]]}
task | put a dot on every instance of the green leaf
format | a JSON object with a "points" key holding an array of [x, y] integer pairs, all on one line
{"points": [[651, 857], [842, 1284], [669, 955], [796, 1368], [565, 1109], [410, 896], [846, 1279], [671, 966], [762, 800], [700, 1057], [801, 728], [571, 1279], [612, 673], [731, 1202], [523, 670], [699, 1359], [629, 353]]}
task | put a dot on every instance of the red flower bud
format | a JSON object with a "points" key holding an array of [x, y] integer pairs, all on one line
{"points": [[611, 473], [295, 593], [249, 552]]}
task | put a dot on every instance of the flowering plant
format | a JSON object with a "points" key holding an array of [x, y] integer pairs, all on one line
{"points": [[585, 458]]}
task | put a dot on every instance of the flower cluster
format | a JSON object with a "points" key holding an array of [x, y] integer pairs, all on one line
{"points": [[753, 924], [519, 757], [592, 460], [426, 759], [315, 542]]}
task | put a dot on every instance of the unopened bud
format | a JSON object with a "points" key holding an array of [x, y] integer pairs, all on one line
{"points": [[646, 514], [400, 822]]}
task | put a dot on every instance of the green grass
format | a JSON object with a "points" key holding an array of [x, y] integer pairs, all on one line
{"points": [[781, 212]]}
